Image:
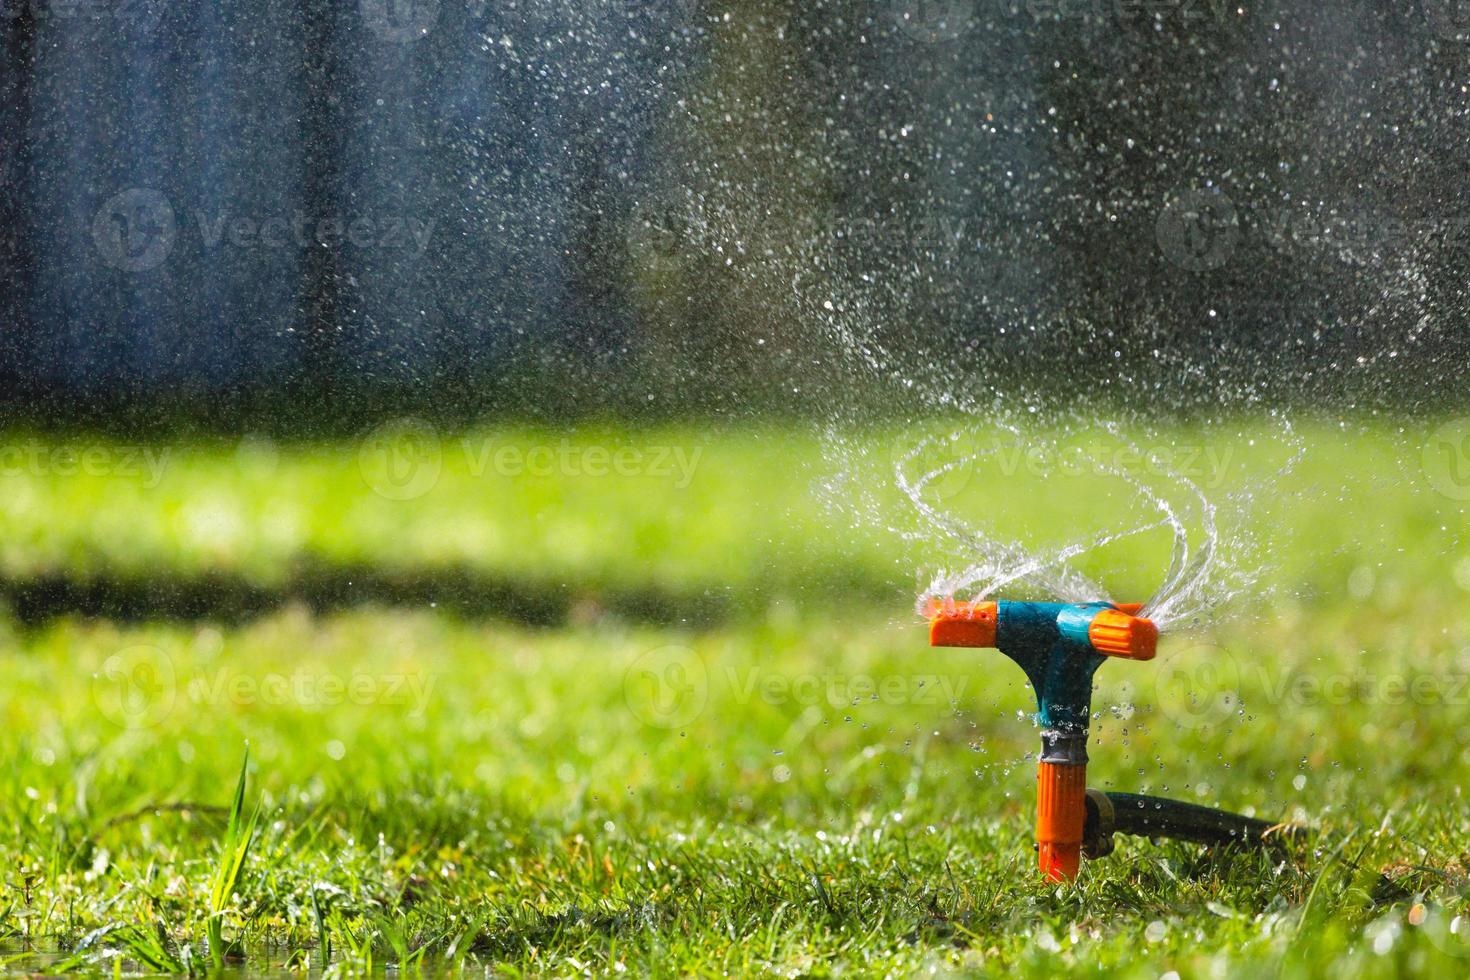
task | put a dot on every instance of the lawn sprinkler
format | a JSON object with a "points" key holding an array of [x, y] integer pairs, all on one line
{"points": [[1060, 646]]}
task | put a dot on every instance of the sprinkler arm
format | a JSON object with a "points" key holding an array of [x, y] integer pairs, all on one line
{"points": [[1059, 646]]}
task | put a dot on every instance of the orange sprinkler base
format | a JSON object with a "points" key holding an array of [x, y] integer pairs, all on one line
{"points": [[1061, 811]]}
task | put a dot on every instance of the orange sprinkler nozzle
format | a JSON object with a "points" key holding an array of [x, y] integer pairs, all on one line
{"points": [[1117, 633], [1061, 812], [963, 624]]}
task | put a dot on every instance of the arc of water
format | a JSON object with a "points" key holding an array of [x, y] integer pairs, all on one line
{"points": [[1000, 551], [1186, 567]]}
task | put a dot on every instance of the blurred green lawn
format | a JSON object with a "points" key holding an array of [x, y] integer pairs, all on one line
{"points": [[742, 513], [801, 787]]}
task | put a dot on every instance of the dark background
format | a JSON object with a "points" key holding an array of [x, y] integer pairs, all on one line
{"points": [[726, 207]]}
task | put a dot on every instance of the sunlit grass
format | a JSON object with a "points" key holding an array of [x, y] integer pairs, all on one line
{"points": [[742, 515], [797, 789], [822, 792]]}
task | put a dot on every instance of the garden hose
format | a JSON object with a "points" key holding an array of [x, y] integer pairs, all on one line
{"points": [[1154, 816]]}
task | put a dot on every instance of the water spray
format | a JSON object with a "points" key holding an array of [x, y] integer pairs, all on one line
{"points": [[1060, 646]]}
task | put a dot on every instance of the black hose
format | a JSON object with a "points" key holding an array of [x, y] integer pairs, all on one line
{"points": [[1153, 816]]}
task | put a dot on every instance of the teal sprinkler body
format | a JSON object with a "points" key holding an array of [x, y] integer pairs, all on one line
{"points": [[1059, 646]]}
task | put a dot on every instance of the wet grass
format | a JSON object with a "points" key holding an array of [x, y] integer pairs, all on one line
{"points": [[787, 788]]}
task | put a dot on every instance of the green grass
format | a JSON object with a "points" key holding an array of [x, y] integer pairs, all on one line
{"points": [[799, 788], [739, 514]]}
